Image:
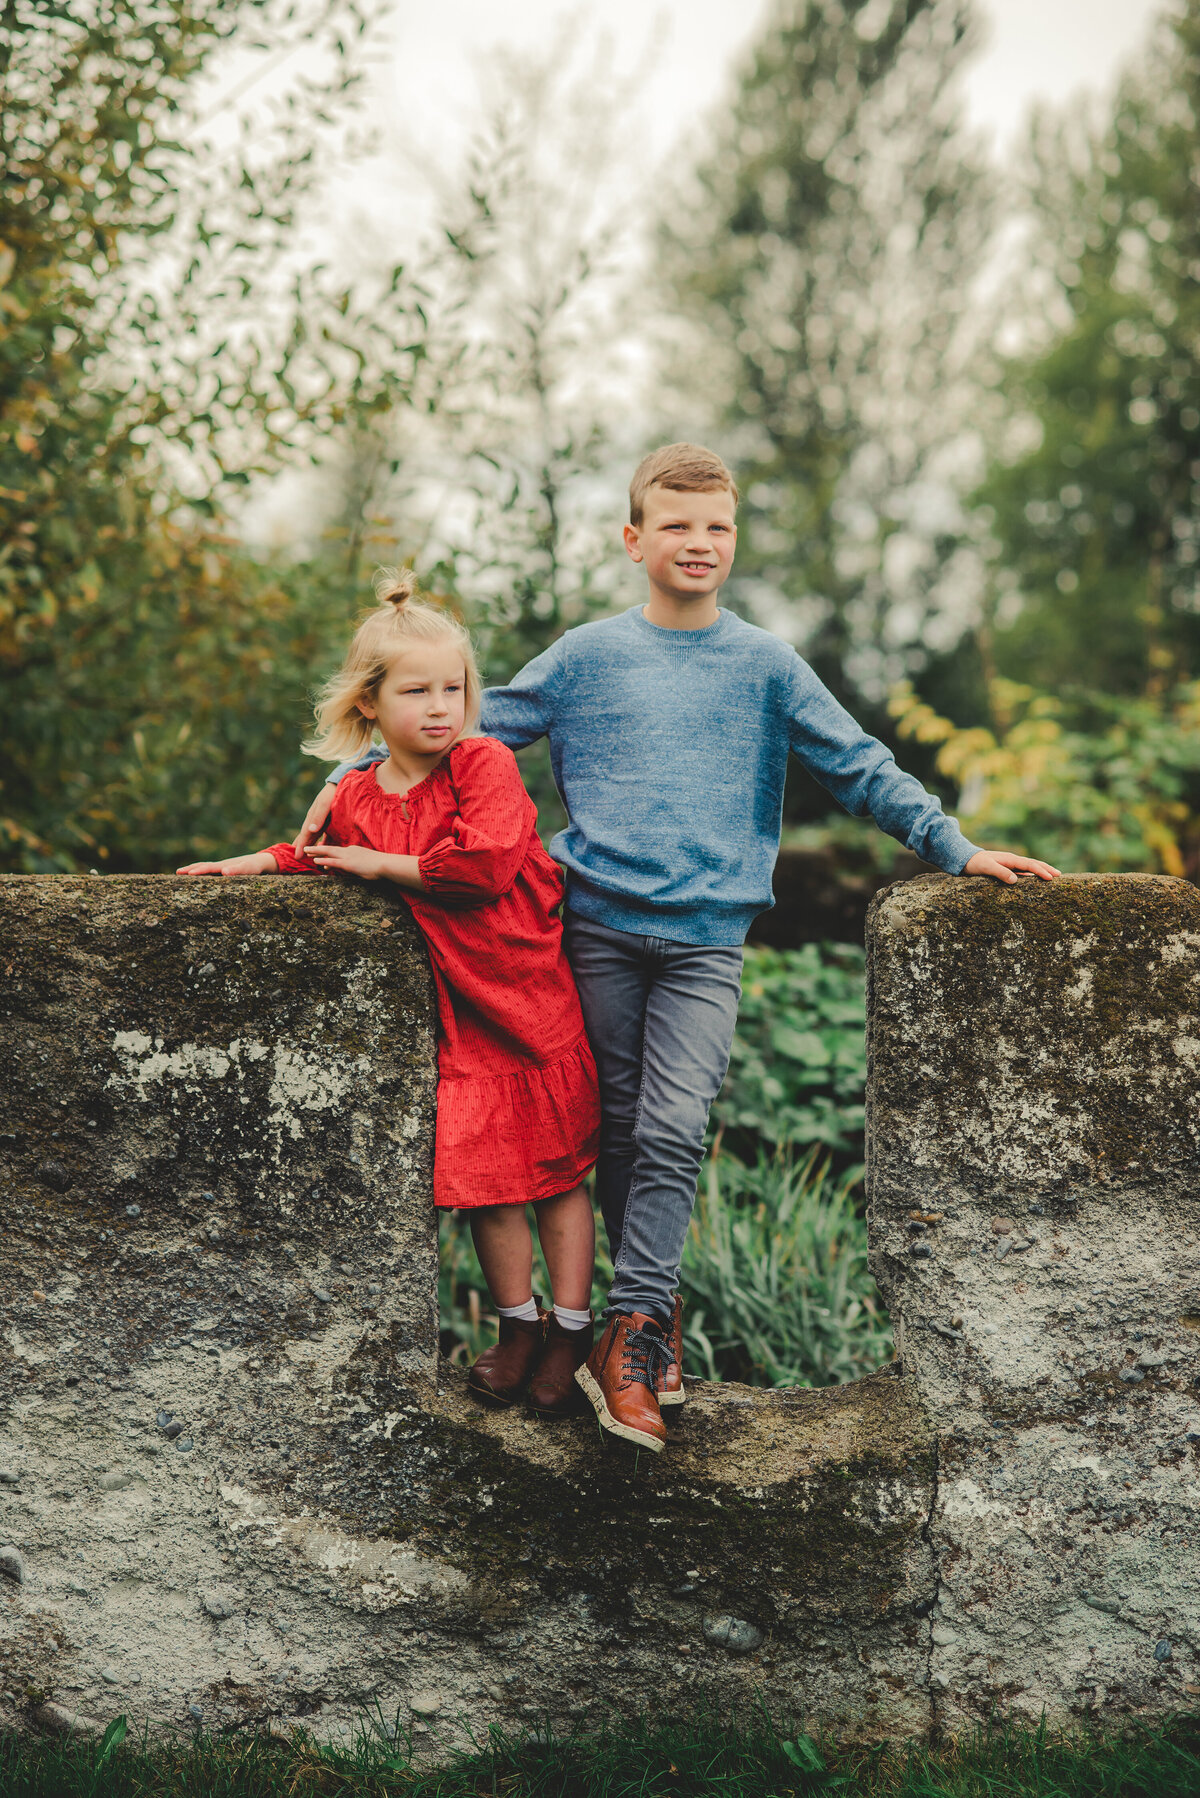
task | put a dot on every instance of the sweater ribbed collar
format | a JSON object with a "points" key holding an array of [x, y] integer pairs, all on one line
{"points": [[679, 639]]}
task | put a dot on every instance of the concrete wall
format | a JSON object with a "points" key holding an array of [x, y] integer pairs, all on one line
{"points": [[236, 1483], [1033, 1098]]}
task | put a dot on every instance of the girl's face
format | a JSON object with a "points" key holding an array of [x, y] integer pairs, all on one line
{"points": [[420, 704]]}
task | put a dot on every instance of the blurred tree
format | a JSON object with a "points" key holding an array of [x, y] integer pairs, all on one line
{"points": [[159, 343], [501, 477], [1096, 516], [830, 243]]}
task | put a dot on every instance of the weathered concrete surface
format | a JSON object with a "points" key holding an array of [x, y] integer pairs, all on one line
{"points": [[216, 1156], [1034, 1058]]}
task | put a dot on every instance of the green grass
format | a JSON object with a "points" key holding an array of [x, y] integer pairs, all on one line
{"points": [[775, 1281], [776, 1286], [698, 1759]]}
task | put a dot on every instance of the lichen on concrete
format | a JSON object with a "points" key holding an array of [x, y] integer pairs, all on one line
{"points": [[243, 1483], [1034, 1152], [235, 1476]]}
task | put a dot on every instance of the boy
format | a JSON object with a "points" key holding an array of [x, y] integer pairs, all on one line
{"points": [[670, 727]]}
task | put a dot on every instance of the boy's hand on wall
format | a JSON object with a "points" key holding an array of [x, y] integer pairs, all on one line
{"points": [[311, 830], [261, 863], [999, 864]]}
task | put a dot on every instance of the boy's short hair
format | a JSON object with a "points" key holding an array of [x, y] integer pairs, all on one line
{"points": [[680, 468]]}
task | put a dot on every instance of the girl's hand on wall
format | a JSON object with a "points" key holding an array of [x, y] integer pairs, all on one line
{"points": [[311, 830], [1000, 864], [261, 863], [341, 858]]}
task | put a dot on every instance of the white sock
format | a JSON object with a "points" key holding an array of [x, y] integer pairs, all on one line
{"points": [[572, 1320], [527, 1312]]}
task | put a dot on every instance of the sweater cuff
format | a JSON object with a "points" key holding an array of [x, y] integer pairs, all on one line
{"points": [[949, 849]]}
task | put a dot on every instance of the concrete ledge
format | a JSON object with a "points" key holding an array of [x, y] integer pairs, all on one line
{"points": [[1033, 1097], [234, 1477], [239, 1484]]}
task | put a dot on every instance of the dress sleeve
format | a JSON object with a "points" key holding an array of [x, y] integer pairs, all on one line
{"points": [[488, 840], [524, 710], [862, 774], [288, 862]]}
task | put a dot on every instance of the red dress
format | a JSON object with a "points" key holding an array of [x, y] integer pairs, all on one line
{"points": [[518, 1109]]}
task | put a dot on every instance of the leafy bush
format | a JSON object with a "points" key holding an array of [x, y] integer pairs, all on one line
{"points": [[799, 1065], [1092, 780]]}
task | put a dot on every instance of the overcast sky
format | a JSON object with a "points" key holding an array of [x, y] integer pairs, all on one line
{"points": [[1035, 48], [680, 56]]}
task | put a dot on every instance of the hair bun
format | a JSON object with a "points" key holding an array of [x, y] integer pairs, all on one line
{"points": [[394, 587]]}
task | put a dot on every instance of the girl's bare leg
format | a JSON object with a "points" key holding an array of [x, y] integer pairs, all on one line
{"points": [[505, 1250], [567, 1233]]}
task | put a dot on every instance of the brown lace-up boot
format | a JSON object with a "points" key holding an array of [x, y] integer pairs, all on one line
{"points": [[502, 1373], [552, 1390], [619, 1377], [670, 1386]]}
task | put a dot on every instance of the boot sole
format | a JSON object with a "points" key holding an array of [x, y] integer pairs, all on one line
{"points": [[667, 1399], [606, 1419], [498, 1401]]}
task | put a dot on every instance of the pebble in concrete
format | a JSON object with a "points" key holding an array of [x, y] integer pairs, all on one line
{"points": [[115, 1482], [425, 1704], [8, 1477], [110, 1676], [1162, 1650], [62, 1721], [12, 1563], [733, 1633]]}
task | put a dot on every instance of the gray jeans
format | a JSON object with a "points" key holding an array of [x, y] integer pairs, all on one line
{"points": [[660, 1016]]}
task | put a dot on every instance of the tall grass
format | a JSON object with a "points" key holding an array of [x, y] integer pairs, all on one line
{"points": [[775, 1283], [776, 1286], [700, 1758]]}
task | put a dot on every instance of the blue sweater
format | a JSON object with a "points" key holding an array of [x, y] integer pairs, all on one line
{"points": [[670, 748]]}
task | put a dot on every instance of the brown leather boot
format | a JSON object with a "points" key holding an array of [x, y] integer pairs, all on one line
{"points": [[502, 1372], [619, 1376], [552, 1390], [670, 1390]]}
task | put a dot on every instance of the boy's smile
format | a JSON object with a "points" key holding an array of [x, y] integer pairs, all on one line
{"points": [[686, 541]]}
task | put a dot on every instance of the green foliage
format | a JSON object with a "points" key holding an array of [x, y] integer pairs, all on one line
{"points": [[775, 1281], [798, 1064], [153, 356], [700, 1756], [1091, 782], [775, 1278], [1097, 527]]}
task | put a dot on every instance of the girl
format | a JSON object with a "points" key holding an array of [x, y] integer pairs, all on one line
{"points": [[447, 818]]}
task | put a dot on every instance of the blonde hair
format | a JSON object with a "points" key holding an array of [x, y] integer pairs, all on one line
{"points": [[680, 468], [342, 732]]}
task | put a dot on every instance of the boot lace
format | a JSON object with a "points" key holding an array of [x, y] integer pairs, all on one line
{"points": [[646, 1358]]}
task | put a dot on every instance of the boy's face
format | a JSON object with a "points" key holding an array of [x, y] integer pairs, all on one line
{"points": [[686, 541], [420, 703]]}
